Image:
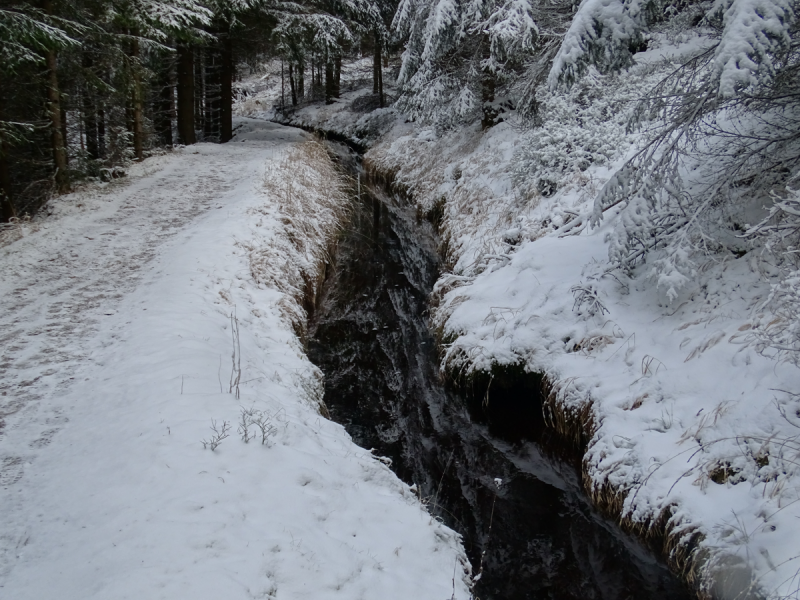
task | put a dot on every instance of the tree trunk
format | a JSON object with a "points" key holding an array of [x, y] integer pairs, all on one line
{"points": [[64, 133], [376, 64], [90, 124], [337, 72], [186, 95], [329, 85], [164, 106], [301, 71], [89, 114], [291, 85], [380, 88], [488, 84], [7, 211], [56, 131], [54, 111], [489, 111], [209, 88], [137, 116], [226, 89], [101, 133], [199, 89], [377, 84]]}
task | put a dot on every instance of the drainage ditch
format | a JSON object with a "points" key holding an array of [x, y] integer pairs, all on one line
{"points": [[489, 472]]}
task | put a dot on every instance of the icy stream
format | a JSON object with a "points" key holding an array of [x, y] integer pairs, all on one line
{"points": [[371, 339]]}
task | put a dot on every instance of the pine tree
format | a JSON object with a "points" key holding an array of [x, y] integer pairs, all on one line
{"points": [[457, 54], [29, 38]]}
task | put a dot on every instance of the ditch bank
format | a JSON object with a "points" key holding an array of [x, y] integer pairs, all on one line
{"points": [[526, 404], [493, 455]]}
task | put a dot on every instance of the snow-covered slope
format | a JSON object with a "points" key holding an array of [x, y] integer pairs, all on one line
{"points": [[691, 429], [118, 318]]}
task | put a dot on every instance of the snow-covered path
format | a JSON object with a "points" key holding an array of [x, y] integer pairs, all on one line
{"points": [[59, 285], [116, 356]]}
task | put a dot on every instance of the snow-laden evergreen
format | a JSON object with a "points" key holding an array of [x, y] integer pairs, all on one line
{"points": [[754, 34], [603, 33], [456, 53], [26, 36]]}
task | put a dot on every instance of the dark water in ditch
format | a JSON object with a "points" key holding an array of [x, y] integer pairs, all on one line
{"points": [[370, 337]]}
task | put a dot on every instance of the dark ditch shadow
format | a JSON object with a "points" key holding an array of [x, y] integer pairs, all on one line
{"points": [[370, 337], [507, 399]]}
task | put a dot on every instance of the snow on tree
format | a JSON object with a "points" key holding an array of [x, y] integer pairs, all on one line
{"points": [[605, 33], [723, 126], [602, 33], [753, 33], [453, 50], [26, 36]]}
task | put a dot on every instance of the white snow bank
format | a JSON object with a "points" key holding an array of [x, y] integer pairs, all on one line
{"points": [[106, 490]]}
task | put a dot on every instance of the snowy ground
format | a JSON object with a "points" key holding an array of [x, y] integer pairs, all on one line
{"points": [[116, 358], [264, 91], [689, 419]]}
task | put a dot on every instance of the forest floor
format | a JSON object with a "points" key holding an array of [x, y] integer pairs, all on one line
{"points": [[119, 311]]}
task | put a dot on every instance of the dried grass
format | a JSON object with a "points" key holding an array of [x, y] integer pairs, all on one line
{"points": [[16, 229], [310, 197]]}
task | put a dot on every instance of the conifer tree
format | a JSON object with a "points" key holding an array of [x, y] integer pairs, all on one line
{"points": [[456, 54]]}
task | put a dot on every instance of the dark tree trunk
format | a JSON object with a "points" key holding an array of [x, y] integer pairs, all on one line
{"points": [[164, 108], [208, 95], [292, 86], [377, 67], [199, 89], [128, 116], [226, 89], [489, 111], [337, 72], [380, 88], [329, 83], [7, 211], [301, 71], [101, 133], [64, 133], [89, 114], [186, 95], [54, 112], [56, 130], [90, 124], [488, 83], [137, 116], [283, 91]]}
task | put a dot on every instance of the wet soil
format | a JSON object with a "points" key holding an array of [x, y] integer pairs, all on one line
{"points": [[489, 472]]}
